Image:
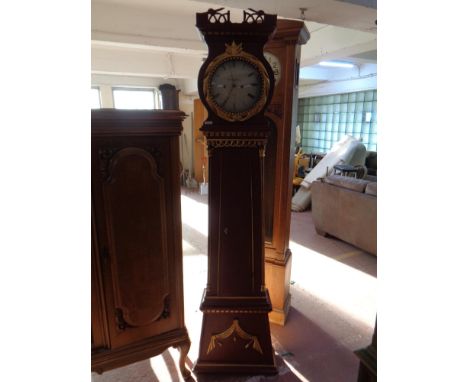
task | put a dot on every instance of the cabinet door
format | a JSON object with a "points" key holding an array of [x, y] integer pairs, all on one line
{"points": [[139, 267]]}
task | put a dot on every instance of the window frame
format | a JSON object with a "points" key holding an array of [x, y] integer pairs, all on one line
{"points": [[98, 88], [156, 95]]}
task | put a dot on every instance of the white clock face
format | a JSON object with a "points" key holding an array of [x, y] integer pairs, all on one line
{"points": [[236, 86], [275, 65]]}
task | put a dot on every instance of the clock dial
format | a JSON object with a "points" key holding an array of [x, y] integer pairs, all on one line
{"points": [[275, 65], [236, 86]]}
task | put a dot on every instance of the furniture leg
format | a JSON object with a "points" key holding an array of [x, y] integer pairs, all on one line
{"points": [[184, 349]]}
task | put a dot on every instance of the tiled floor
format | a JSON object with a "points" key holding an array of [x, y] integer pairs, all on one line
{"points": [[333, 288]]}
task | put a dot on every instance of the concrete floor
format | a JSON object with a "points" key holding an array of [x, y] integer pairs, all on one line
{"points": [[333, 307]]}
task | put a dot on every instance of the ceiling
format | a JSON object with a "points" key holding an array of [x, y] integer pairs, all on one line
{"points": [[157, 39]]}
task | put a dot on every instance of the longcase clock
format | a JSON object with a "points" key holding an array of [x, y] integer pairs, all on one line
{"points": [[283, 52], [235, 85]]}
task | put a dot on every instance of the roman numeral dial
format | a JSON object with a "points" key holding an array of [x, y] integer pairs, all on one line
{"points": [[236, 85]]}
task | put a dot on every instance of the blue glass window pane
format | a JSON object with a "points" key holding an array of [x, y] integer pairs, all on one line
{"points": [[326, 119]]}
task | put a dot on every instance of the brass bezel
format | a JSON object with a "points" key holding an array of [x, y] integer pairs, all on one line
{"points": [[235, 52]]}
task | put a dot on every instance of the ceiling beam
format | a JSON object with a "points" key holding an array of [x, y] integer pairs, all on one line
{"points": [[144, 63], [157, 44]]}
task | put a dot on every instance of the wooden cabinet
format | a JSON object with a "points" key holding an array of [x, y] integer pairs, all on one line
{"points": [[137, 290]]}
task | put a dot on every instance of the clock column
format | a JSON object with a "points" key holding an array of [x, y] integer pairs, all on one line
{"points": [[284, 51]]}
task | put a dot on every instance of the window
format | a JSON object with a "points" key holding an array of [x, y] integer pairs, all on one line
{"points": [[95, 98], [136, 98], [325, 120]]}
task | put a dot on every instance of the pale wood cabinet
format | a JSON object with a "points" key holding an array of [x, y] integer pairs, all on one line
{"points": [[137, 289]]}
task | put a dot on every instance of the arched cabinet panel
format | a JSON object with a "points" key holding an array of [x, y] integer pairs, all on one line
{"points": [[135, 201]]}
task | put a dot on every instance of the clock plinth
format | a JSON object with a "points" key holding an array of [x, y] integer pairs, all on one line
{"points": [[235, 85], [236, 337]]}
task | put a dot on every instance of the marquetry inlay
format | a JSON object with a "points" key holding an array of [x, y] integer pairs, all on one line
{"points": [[234, 330]]}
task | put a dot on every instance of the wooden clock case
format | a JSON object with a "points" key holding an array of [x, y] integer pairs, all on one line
{"points": [[285, 44], [235, 334]]}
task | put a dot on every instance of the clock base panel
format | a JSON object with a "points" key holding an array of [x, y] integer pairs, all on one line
{"points": [[235, 342]]}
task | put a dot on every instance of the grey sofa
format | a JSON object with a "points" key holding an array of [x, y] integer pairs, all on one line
{"points": [[346, 208]]}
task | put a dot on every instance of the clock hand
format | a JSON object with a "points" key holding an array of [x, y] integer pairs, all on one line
{"points": [[233, 85], [228, 96]]}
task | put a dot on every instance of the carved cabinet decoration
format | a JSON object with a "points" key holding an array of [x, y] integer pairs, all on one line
{"points": [[137, 296]]}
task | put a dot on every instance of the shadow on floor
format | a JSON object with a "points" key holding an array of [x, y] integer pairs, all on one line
{"points": [[304, 352], [138, 371], [303, 232], [311, 353], [197, 240]]}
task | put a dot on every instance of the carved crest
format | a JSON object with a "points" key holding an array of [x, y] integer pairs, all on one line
{"points": [[233, 49]]}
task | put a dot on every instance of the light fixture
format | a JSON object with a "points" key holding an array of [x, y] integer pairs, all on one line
{"points": [[336, 64]]}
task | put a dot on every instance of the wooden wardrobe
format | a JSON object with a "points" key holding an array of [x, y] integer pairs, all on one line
{"points": [[137, 292]]}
